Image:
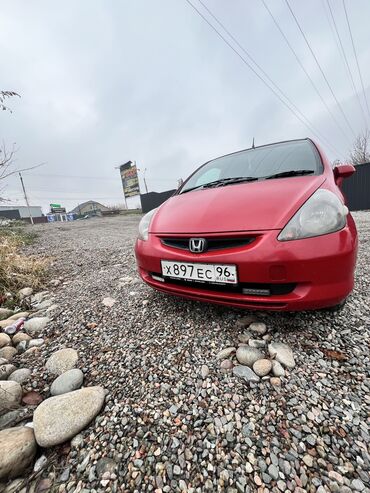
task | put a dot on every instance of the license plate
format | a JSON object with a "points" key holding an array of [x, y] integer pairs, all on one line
{"points": [[212, 273]]}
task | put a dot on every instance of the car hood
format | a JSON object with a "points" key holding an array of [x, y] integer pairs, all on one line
{"points": [[253, 206]]}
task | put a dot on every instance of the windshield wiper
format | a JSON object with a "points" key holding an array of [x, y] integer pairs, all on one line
{"points": [[298, 172], [222, 182], [229, 181]]}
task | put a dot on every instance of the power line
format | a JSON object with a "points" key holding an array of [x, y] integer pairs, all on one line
{"points": [[308, 122], [320, 68], [304, 69], [344, 57], [355, 53], [247, 63]]}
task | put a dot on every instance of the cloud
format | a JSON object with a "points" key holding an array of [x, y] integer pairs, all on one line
{"points": [[104, 82]]}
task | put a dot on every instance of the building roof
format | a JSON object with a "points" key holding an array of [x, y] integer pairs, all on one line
{"points": [[77, 209]]}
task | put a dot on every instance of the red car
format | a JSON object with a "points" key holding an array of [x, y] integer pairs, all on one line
{"points": [[265, 228]]}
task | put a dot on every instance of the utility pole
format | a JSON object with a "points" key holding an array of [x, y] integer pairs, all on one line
{"points": [[146, 186], [26, 199]]}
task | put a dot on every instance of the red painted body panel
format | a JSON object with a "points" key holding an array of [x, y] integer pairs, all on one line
{"points": [[248, 206], [322, 268]]}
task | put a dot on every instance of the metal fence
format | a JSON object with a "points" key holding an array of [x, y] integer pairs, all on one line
{"points": [[152, 200], [357, 188]]}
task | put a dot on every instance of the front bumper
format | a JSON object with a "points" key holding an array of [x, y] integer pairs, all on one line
{"points": [[321, 269]]}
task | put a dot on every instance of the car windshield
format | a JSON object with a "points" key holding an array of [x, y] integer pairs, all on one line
{"points": [[285, 159]]}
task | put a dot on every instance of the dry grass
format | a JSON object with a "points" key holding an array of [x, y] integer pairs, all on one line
{"points": [[18, 270]]}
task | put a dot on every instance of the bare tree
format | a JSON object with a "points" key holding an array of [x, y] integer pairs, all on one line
{"points": [[6, 95], [360, 153]]}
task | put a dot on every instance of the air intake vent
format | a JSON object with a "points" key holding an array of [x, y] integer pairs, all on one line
{"points": [[212, 243]]}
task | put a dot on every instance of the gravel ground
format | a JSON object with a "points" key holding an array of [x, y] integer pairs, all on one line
{"points": [[170, 427]]}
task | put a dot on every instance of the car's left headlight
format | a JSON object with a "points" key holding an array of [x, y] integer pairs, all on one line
{"points": [[144, 225], [323, 213]]}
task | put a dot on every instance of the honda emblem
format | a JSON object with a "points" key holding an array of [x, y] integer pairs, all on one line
{"points": [[197, 245]]}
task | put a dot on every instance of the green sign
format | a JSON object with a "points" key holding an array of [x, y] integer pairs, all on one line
{"points": [[56, 206]]}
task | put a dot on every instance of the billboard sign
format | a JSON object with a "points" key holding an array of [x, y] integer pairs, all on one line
{"points": [[130, 180]]}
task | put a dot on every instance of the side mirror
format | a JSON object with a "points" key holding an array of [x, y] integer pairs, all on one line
{"points": [[343, 171]]}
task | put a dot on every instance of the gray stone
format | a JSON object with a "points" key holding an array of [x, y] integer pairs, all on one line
{"points": [[226, 364], [19, 337], [24, 293], [282, 353], [36, 342], [36, 325], [258, 327], [248, 355], [105, 465], [246, 373], [277, 369], [5, 313], [67, 382], [204, 371], [8, 352], [18, 449], [4, 340], [358, 485], [257, 343], [60, 418], [273, 471], [21, 376], [10, 395], [3, 361], [61, 361], [12, 418], [6, 370], [22, 347], [226, 352], [262, 367]]}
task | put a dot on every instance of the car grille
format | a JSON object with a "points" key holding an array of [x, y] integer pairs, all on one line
{"points": [[212, 243], [247, 288]]}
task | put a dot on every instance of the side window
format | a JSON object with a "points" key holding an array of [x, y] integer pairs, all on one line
{"points": [[208, 176]]}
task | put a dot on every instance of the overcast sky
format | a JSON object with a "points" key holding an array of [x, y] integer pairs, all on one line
{"points": [[105, 81]]}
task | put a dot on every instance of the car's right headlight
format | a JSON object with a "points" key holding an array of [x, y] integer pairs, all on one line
{"points": [[144, 225], [323, 213]]}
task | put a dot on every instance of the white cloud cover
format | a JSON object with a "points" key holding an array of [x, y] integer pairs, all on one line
{"points": [[102, 82]]}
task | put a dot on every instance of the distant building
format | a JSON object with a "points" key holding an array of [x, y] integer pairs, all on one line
{"points": [[90, 208], [19, 212]]}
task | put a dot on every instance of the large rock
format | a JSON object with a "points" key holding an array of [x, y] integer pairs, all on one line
{"points": [[246, 373], [226, 352], [262, 367], [6, 370], [24, 293], [67, 382], [5, 313], [8, 352], [36, 325], [60, 418], [247, 355], [3, 361], [18, 449], [61, 361], [4, 340], [19, 337], [20, 376], [282, 353], [13, 417], [36, 342], [18, 315], [258, 327], [277, 369], [10, 396]]}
